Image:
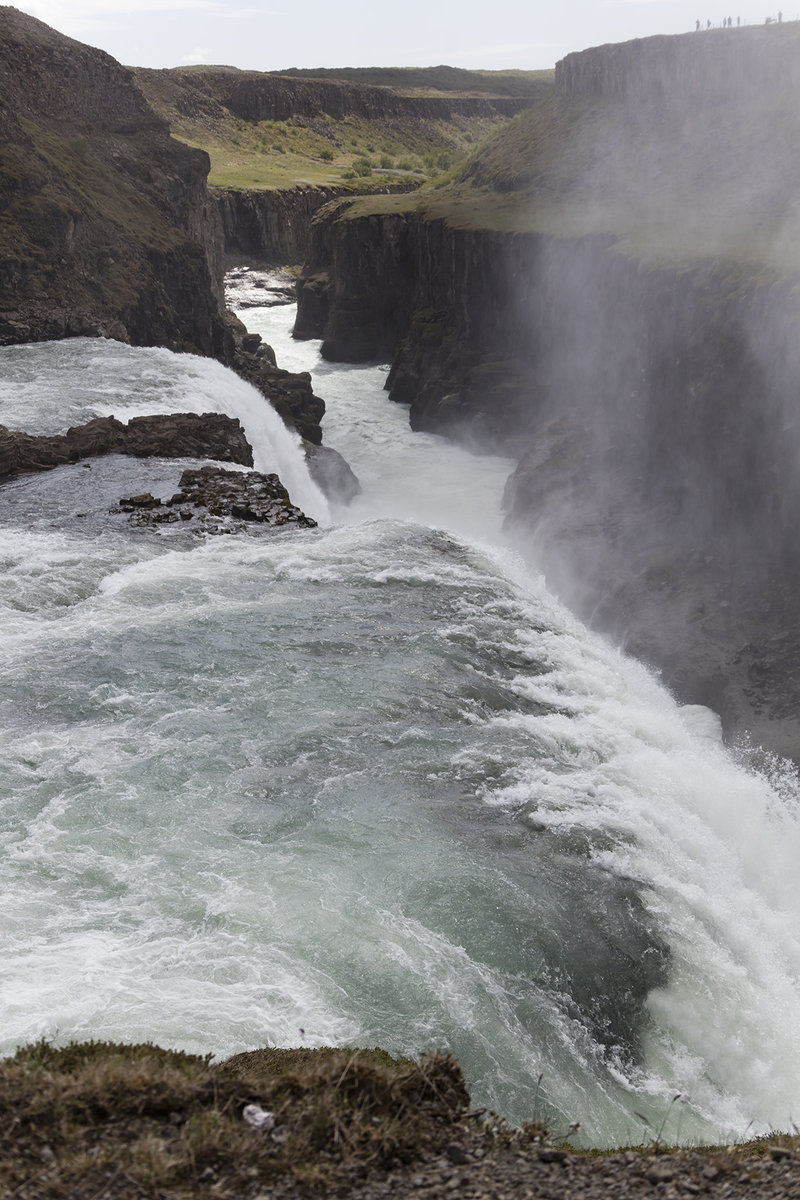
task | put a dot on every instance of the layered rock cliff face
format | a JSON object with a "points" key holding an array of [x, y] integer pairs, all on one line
{"points": [[105, 222], [273, 226], [718, 62], [437, 303], [629, 340], [257, 96], [283, 146]]}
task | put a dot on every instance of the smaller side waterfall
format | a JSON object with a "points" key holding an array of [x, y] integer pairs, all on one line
{"points": [[47, 386]]}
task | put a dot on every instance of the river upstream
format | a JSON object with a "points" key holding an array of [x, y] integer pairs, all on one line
{"points": [[368, 784]]}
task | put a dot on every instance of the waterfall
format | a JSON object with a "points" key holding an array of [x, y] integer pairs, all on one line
{"points": [[371, 784]]}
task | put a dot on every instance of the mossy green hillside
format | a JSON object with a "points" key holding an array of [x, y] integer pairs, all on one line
{"points": [[349, 151], [104, 219], [68, 193], [364, 152]]}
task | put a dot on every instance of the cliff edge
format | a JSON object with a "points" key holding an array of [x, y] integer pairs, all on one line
{"points": [[132, 1120], [105, 223]]}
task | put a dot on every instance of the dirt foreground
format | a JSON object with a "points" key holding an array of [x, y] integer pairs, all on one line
{"points": [[99, 1120]]}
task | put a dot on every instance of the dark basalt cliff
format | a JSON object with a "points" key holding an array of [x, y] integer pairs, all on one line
{"points": [[273, 226], [629, 340], [105, 223], [442, 304], [721, 62]]}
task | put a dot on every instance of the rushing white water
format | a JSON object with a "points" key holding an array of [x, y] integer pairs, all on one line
{"points": [[371, 784]]}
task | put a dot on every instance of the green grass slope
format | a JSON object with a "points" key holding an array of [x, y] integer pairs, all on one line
{"points": [[364, 149], [102, 214], [104, 1119]]}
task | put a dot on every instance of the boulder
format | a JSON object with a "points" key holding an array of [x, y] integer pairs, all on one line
{"points": [[291, 395], [332, 473]]}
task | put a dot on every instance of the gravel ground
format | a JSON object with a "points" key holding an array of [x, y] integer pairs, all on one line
{"points": [[559, 1175]]}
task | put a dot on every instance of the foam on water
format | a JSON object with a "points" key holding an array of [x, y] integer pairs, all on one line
{"points": [[715, 847], [374, 783]]}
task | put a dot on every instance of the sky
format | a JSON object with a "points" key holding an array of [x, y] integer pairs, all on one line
{"points": [[275, 34]]}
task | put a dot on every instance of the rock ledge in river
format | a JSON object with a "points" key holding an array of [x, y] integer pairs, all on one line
{"points": [[175, 435], [219, 501]]}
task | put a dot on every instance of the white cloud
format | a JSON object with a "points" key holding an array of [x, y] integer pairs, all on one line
{"points": [[200, 54], [105, 24], [59, 11]]}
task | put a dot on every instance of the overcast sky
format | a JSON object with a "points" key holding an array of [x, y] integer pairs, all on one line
{"points": [[276, 34]]}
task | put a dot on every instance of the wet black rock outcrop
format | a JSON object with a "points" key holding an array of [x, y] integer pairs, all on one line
{"points": [[213, 500], [177, 435], [332, 473], [290, 393]]}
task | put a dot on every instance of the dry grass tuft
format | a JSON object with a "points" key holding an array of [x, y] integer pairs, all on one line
{"points": [[98, 1119]]}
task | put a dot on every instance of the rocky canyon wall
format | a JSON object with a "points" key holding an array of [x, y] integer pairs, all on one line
{"points": [[709, 63], [258, 96], [106, 226], [273, 226], [644, 374]]}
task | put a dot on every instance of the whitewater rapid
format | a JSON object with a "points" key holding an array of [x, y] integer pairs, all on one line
{"points": [[369, 784]]}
